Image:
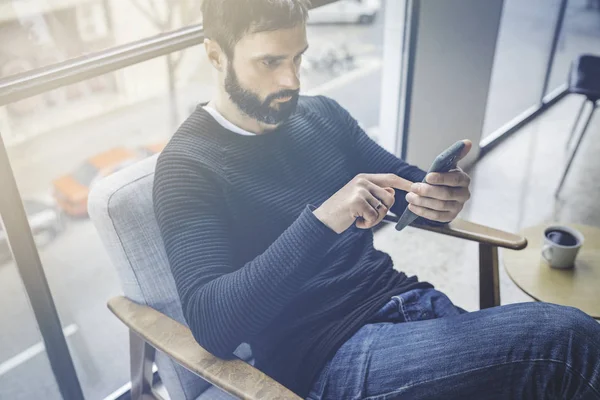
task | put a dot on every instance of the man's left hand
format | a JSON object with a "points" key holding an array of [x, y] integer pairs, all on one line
{"points": [[443, 195]]}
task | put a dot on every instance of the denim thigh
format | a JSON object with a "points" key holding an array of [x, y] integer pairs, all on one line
{"points": [[428, 349]]}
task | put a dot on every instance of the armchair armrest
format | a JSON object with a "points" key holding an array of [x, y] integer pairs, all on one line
{"points": [[176, 340], [489, 240], [470, 231]]}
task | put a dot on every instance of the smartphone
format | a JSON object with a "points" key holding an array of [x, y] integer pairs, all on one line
{"points": [[445, 162]]}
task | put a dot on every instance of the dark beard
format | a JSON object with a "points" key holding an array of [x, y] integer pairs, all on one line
{"points": [[250, 104]]}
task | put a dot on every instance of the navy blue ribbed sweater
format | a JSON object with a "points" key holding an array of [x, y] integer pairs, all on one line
{"points": [[250, 260]]}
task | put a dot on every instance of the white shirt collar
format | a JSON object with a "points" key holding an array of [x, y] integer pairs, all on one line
{"points": [[225, 123]]}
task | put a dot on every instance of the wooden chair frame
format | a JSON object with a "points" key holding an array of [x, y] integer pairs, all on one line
{"points": [[150, 329]]}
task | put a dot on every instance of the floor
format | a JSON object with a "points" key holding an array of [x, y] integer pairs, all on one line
{"points": [[512, 188]]}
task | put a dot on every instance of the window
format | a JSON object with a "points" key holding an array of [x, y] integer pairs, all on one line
{"points": [[345, 57], [580, 35], [85, 174], [135, 111], [522, 50], [91, 21], [60, 30], [69, 154]]}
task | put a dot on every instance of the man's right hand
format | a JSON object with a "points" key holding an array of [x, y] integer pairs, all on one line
{"points": [[365, 200]]}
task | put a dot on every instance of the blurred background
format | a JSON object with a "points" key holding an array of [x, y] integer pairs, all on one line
{"points": [[61, 141]]}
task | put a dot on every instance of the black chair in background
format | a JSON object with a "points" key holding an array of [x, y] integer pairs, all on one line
{"points": [[584, 78]]}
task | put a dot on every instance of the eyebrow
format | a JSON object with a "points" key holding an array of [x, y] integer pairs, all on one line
{"points": [[275, 57]]}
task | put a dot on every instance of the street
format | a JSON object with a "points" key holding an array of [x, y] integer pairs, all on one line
{"points": [[78, 269]]}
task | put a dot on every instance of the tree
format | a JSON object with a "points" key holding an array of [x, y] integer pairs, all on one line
{"points": [[167, 15]]}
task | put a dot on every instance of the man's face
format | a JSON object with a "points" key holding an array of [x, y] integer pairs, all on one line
{"points": [[263, 78]]}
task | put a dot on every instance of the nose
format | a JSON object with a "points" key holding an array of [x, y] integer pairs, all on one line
{"points": [[289, 78]]}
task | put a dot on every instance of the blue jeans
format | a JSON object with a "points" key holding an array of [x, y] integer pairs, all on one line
{"points": [[421, 346]]}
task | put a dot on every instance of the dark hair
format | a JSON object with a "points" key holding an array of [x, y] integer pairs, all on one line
{"points": [[227, 21]]}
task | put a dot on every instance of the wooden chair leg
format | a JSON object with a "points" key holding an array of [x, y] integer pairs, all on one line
{"points": [[142, 358], [489, 280]]}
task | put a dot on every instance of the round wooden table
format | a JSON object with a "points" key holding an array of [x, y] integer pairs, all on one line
{"points": [[578, 286]]}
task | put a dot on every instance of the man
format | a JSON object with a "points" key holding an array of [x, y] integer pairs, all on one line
{"points": [[265, 201]]}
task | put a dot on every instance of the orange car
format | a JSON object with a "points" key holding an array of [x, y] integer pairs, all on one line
{"points": [[71, 191]]}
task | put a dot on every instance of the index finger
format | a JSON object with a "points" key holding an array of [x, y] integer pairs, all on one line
{"points": [[390, 180]]}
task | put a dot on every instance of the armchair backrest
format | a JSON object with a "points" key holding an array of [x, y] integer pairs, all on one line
{"points": [[121, 209]]}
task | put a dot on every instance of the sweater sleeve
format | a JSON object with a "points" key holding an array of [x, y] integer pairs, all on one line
{"points": [[224, 304], [373, 159]]}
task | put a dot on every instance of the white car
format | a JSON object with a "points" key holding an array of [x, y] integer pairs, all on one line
{"points": [[45, 220], [348, 11]]}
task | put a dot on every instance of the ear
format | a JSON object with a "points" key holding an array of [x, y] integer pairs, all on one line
{"points": [[215, 54]]}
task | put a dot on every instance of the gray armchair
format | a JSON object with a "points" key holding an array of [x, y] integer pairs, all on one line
{"points": [[120, 207]]}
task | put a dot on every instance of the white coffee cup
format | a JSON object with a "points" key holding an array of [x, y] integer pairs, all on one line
{"points": [[561, 245]]}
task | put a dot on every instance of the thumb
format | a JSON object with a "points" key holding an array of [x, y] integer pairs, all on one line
{"points": [[466, 149]]}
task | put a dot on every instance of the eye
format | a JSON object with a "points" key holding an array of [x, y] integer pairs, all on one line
{"points": [[298, 58], [269, 63]]}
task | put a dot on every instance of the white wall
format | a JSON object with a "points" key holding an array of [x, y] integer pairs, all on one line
{"points": [[454, 54]]}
